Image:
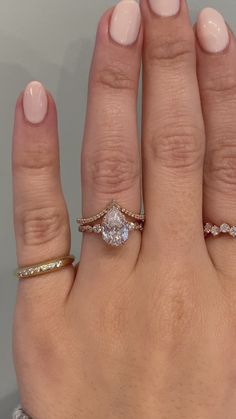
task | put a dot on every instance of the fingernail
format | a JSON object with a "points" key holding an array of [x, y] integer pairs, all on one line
{"points": [[212, 31], [165, 7], [35, 102], [125, 22]]}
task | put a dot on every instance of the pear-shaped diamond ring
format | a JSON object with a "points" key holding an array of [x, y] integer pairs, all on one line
{"points": [[114, 223]]}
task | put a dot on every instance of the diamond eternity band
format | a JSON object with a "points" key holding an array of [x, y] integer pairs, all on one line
{"points": [[214, 230]]}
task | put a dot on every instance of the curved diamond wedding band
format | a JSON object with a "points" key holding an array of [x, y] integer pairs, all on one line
{"points": [[114, 226], [214, 230], [44, 267]]}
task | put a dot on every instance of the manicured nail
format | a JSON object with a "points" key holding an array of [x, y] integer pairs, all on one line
{"points": [[212, 31], [35, 102], [125, 22], [165, 7]]}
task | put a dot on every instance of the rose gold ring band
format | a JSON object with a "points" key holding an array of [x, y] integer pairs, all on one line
{"points": [[214, 230]]}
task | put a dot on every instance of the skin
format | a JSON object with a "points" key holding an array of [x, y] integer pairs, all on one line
{"points": [[146, 330]]}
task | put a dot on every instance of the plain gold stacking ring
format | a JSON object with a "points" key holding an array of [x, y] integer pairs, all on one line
{"points": [[44, 267]]}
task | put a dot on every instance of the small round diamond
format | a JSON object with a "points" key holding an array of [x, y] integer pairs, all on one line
{"points": [[132, 226], [97, 228], [215, 231], [207, 228], [225, 228], [233, 231], [59, 264]]}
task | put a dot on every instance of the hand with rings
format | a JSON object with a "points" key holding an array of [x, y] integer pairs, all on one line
{"points": [[144, 326]]}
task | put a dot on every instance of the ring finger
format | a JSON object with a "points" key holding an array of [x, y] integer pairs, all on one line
{"points": [[173, 132], [110, 157]]}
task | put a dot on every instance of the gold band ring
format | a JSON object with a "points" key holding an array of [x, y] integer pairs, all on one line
{"points": [[44, 267]]}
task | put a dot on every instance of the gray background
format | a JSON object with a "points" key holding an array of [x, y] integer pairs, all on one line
{"points": [[50, 41]]}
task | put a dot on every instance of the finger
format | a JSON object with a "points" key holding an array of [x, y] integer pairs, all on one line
{"points": [[173, 130], [110, 158], [40, 215], [217, 79]]}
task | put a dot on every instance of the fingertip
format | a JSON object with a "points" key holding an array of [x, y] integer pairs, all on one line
{"points": [[35, 102], [35, 106], [34, 139], [212, 31], [19, 101], [103, 26], [164, 9], [121, 25]]}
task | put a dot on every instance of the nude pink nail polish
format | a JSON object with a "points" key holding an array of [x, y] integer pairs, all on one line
{"points": [[125, 22], [35, 102], [165, 7], [212, 31]]}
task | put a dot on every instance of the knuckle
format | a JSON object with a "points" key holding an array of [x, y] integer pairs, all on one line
{"points": [[112, 169], [41, 225], [222, 84], [221, 165], [178, 148], [36, 157], [115, 76], [166, 49]]}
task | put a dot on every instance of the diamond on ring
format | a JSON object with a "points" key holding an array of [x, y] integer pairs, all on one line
{"points": [[233, 231], [114, 227], [207, 228], [215, 231], [224, 228]]}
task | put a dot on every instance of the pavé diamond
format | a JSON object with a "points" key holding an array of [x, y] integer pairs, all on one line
{"points": [[215, 231], [233, 231], [132, 226], [115, 228], [225, 228], [207, 228], [97, 228]]}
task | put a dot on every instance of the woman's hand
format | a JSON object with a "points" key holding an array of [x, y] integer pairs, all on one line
{"points": [[146, 330]]}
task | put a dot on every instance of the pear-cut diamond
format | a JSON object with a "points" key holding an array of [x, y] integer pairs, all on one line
{"points": [[115, 229]]}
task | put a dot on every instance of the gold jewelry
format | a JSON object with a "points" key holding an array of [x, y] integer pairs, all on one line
{"points": [[44, 267], [214, 230], [115, 226]]}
